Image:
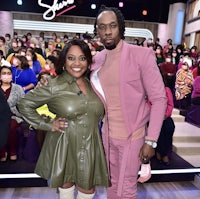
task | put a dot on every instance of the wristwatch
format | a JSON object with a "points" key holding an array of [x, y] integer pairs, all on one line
{"points": [[153, 144]]}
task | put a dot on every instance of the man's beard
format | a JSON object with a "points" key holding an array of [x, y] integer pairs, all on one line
{"points": [[111, 47]]}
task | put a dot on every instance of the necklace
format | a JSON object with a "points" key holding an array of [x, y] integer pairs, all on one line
{"points": [[17, 75]]}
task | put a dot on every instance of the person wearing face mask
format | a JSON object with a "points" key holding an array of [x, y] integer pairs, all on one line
{"points": [[183, 86], [175, 58], [34, 64], [159, 55], [23, 75], [51, 62], [13, 94], [168, 70]]}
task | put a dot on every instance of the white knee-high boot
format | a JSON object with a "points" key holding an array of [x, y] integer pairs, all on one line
{"points": [[84, 195], [67, 193]]}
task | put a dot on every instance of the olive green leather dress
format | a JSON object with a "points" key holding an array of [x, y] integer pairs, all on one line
{"points": [[76, 155]]}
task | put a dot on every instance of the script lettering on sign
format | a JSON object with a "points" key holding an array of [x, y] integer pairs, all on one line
{"points": [[50, 13]]}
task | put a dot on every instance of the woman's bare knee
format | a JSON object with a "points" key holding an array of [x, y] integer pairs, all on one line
{"points": [[67, 185], [90, 191]]}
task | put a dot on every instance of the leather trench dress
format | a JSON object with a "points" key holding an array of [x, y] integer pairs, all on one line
{"points": [[77, 155]]}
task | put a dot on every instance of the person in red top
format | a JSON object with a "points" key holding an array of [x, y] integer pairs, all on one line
{"points": [[51, 62], [168, 70]]}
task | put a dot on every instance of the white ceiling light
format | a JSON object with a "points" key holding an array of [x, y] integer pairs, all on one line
{"points": [[93, 6]]}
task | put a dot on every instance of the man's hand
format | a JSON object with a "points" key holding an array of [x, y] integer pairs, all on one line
{"points": [[146, 153], [59, 124]]}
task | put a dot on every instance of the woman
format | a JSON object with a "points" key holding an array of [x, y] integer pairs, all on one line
{"points": [[22, 74], [13, 94], [51, 62], [183, 86], [71, 156], [159, 55], [167, 130], [34, 64]]}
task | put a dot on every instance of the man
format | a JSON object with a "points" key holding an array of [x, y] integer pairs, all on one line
{"points": [[5, 118], [125, 77]]}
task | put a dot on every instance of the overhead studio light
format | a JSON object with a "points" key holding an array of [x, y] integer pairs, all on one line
{"points": [[93, 6], [121, 4], [19, 2]]}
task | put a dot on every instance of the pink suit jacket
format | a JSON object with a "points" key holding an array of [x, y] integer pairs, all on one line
{"points": [[139, 78]]}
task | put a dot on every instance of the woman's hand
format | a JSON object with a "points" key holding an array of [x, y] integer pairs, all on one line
{"points": [[59, 124]]}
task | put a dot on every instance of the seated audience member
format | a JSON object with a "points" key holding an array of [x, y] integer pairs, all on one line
{"points": [[14, 49], [59, 44], [15, 35], [23, 75], [3, 62], [193, 53], [185, 58], [50, 48], [13, 93], [65, 38], [34, 43], [29, 36], [22, 51], [169, 71], [164, 143], [5, 118], [179, 51], [2, 45], [42, 43], [50, 65], [25, 40], [196, 91], [8, 42], [168, 48], [196, 70], [193, 114], [56, 53], [20, 43], [183, 87], [159, 55], [34, 64], [175, 58]]}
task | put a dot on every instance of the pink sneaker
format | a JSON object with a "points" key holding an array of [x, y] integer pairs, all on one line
{"points": [[145, 174]]}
